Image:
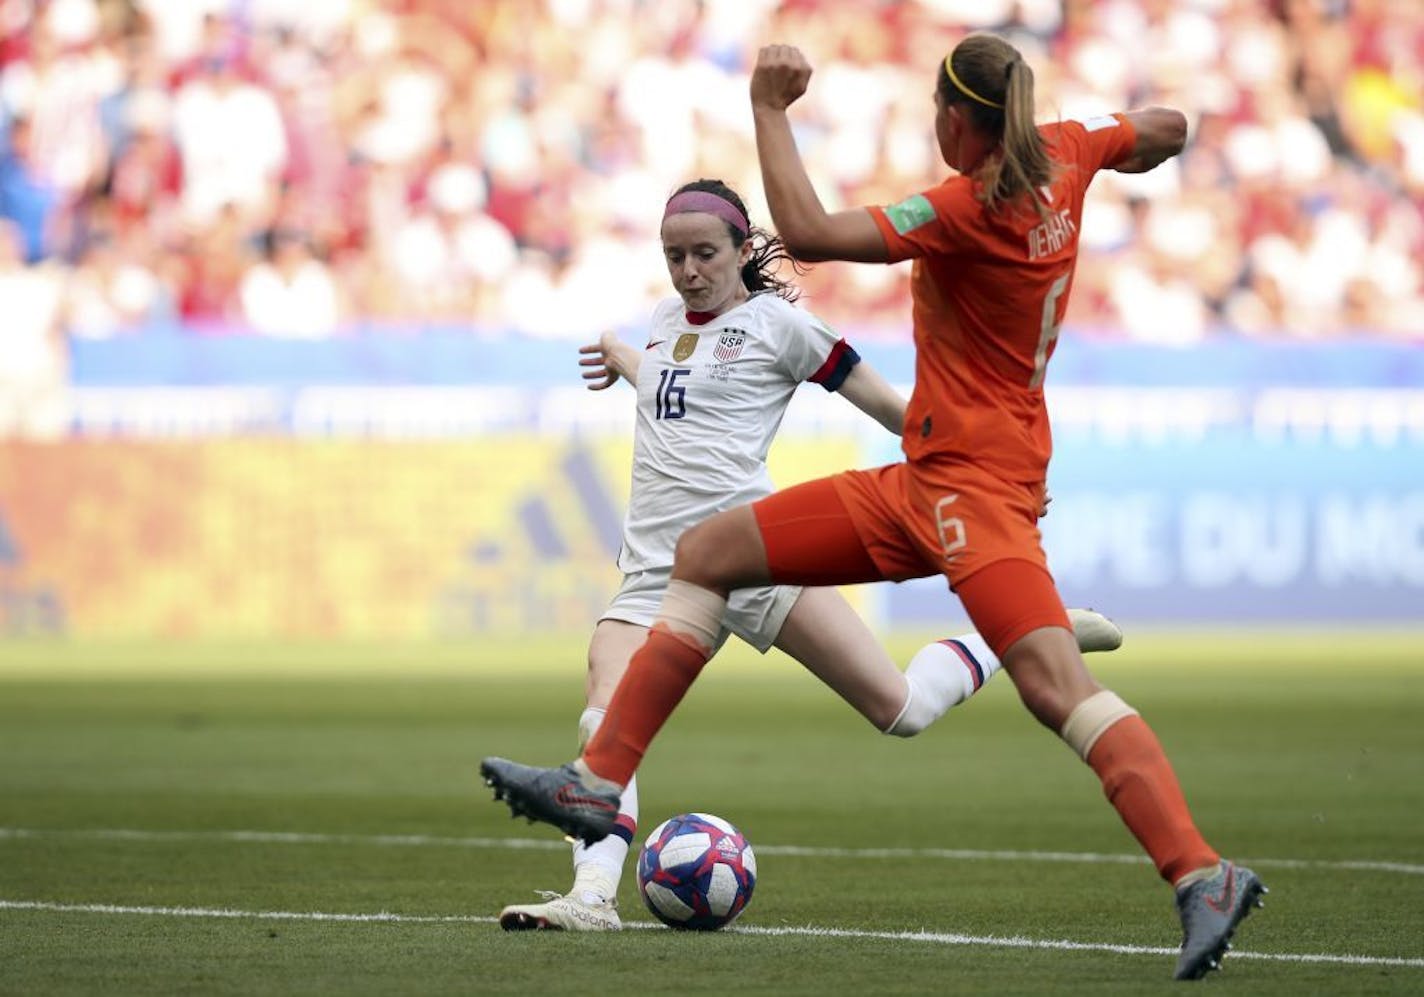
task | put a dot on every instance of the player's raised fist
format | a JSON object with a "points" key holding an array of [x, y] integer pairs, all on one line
{"points": [[780, 76]]}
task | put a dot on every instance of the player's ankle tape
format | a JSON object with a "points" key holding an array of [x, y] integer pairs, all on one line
{"points": [[1091, 718]]}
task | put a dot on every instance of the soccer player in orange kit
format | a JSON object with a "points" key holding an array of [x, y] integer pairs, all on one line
{"points": [[995, 248]]}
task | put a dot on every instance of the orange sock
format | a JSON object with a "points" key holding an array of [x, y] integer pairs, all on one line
{"points": [[1139, 782], [659, 675]]}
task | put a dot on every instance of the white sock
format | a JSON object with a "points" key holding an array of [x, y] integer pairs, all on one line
{"points": [[942, 675], [598, 868]]}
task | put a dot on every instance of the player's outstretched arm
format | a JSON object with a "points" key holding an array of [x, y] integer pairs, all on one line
{"points": [[1161, 134], [809, 232], [864, 388], [607, 360]]}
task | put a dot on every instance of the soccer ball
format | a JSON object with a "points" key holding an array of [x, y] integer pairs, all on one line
{"points": [[696, 871]]}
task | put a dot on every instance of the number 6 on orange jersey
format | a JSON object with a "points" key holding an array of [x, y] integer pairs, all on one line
{"points": [[951, 528]]}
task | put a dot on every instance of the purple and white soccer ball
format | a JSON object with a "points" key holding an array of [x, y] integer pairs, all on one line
{"points": [[696, 871]]}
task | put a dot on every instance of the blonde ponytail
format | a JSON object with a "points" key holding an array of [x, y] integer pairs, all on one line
{"points": [[990, 79]]}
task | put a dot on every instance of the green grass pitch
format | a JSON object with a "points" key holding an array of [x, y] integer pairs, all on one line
{"points": [[307, 819]]}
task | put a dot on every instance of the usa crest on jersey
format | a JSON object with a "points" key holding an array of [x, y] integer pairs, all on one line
{"points": [[729, 345]]}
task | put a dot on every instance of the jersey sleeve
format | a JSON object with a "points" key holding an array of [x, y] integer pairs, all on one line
{"points": [[923, 224], [1098, 143], [814, 352]]}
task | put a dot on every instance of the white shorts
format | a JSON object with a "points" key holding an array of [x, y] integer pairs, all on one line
{"points": [[755, 615]]}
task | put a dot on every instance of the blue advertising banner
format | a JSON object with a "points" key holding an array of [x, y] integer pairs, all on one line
{"points": [[469, 356], [1239, 526]]}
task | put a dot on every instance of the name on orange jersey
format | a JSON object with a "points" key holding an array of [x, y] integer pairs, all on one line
{"points": [[1051, 236]]}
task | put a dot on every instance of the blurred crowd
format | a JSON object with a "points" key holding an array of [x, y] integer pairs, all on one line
{"points": [[314, 168]]}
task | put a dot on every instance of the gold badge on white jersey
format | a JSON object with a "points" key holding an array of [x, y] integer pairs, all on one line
{"points": [[685, 346]]}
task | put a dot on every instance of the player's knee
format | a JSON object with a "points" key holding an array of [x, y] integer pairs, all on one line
{"points": [[1047, 707], [1050, 681], [911, 716], [695, 557], [903, 726], [717, 553], [894, 719]]}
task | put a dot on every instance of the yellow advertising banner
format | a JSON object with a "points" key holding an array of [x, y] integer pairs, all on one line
{"points": [[320, 538]]}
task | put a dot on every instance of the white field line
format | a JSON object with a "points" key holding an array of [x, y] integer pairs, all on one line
{"points": [[933, 937], [553, 844]]}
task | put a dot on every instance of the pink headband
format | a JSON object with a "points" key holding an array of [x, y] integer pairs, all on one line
{"points": [[708, 203]]}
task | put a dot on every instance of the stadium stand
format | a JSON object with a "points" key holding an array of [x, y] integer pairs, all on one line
{"points": [[310, 170]]}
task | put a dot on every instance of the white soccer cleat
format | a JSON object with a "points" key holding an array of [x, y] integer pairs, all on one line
{"points": [[1095, 632], [561, 913]]}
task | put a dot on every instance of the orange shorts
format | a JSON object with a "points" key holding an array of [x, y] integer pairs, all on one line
{"points": [[912, 520], [950, 519]]}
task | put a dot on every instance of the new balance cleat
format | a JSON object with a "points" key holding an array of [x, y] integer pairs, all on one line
{"points": [[1095, 632], [1210, 910], [561, 913], [555, 796]]}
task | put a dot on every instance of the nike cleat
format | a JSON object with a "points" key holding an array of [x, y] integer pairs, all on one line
{"points": [[1095, 632], [1210, 910], [555, 796], [561, 913]]}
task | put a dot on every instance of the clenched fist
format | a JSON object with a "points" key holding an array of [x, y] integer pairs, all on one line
{"points": [[780, 77]]}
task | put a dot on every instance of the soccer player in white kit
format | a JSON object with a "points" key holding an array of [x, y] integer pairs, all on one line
{"points": [[722, 361]]}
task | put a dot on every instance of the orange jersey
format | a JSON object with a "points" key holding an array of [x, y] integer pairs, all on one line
{"points": [[989, 291]]}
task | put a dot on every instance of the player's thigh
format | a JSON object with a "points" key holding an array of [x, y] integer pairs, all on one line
{"points": [[723, 552], [839, 530], [1010, 597], [826, 635]]}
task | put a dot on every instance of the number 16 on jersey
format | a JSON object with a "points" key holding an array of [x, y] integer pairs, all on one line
{"points": [[671, 396]]}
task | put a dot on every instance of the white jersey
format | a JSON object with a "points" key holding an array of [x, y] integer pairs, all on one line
{"points": [[710, 399]]}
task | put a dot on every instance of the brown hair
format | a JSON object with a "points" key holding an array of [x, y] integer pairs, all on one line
{"points": [[990, 78], [768, 253]]}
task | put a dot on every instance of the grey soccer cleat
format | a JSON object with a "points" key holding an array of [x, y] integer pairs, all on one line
{"points": [[561, 913], [1095, 632], [1210, 910], [555, 796]]}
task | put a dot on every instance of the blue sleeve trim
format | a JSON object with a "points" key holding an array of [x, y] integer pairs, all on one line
{"points": [[837, 366]]}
